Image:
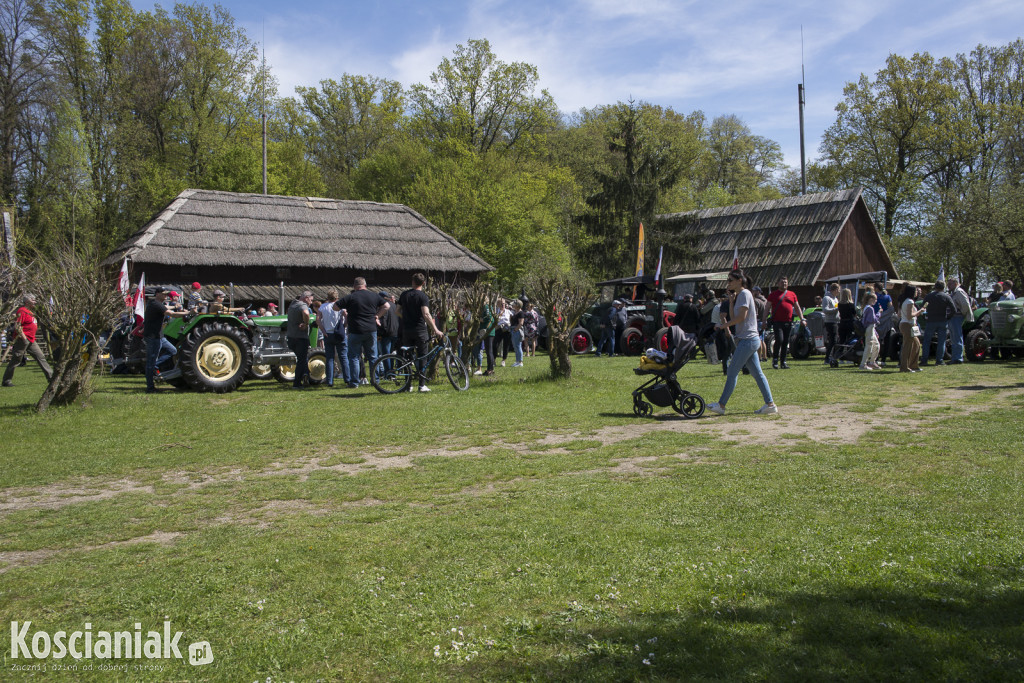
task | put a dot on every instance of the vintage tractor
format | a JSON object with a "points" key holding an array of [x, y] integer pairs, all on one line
{"points": [[217, 352], [643, 327], [1007, 328], [273, 358]]}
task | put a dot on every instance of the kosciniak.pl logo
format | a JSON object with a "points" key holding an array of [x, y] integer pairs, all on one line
{"points": [[86, 644]]}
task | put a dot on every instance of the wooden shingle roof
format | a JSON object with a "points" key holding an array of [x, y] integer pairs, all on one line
{"points": [[210, 228], [792, 236]]}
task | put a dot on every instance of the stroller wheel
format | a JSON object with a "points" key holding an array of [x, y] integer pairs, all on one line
{"points": [[642, 408], [689, 405]]}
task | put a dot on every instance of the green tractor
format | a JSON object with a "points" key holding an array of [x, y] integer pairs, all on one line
{"points": [[1007, 327], [217, 352]]}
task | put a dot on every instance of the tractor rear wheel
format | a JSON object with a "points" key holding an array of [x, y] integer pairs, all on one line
{"points": [[215, 357], [580, 341]]}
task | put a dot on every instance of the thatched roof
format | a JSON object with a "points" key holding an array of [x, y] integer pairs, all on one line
{"points": [[209, 228], [793, 236]]}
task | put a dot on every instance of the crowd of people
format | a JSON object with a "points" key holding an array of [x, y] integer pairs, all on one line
{"points": [[364, 325], [360, 326]]}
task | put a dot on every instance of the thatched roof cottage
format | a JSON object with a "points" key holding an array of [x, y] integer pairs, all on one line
{"points": [[808, 239], [258, 241]]}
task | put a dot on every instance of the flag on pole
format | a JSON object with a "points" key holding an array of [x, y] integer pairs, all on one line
{"points": [[942, 272], [657, 273], [140, 299], [735, 258], [122, 282], [640, 252], [639, 257]]}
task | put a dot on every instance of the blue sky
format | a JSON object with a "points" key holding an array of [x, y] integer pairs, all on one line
{"points": [[728, 57]]}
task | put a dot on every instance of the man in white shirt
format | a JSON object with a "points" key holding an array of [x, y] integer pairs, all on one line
{"points": [[961, 312]]}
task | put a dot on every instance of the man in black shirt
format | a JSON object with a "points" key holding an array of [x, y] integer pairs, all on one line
{"points": [[939, 311], [158, 349], [687, 315], [416, 320], [364, 308], [390, 327]]}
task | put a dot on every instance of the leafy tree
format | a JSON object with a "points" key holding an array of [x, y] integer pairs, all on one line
{"points": [[885, 134], [739, 162], [219, 91], [347, 122], [644, 163], [483, 103], [562, 293]]}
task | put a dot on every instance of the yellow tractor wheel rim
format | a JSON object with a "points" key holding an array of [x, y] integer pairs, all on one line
{"points": [[218, 358]]}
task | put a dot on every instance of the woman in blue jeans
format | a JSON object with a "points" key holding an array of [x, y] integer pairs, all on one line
{"points": [[741, 315]]}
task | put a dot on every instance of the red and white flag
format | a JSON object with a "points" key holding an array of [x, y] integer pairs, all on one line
{"points": [[122, 282], [140, 299], [735, 258]]}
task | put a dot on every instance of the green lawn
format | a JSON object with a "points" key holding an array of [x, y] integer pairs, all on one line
{"points": [[528, 530]]}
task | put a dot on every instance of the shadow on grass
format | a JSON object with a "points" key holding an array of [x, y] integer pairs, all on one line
{"points": [[853, 633], [983, 387]]}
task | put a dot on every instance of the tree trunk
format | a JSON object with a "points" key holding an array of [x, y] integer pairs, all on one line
{"points": [[558, 356]]}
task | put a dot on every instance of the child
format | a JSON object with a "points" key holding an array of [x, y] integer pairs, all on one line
{"points": [[868, 360]]}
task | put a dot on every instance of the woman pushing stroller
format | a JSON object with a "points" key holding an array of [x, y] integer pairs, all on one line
{"points": [[741, 315]]}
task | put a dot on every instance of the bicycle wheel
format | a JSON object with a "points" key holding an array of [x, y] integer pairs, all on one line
{"points": [[392, 374], [457, 373]]}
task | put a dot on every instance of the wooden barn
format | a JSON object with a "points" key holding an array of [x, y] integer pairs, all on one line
{"points": [[256, 242], [808, 239]]}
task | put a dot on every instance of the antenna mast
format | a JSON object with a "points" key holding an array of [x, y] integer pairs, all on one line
{"points": [[801, 97], [263, 87]]}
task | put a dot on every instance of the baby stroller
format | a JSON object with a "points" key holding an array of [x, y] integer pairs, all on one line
{"points": [[850, 349], [662, 389]]}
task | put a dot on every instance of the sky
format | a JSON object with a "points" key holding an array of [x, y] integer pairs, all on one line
{"points": [[739, 57]]}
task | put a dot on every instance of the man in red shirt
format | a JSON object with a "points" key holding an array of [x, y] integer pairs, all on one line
{"points": [[783, 304], [26, 326]]}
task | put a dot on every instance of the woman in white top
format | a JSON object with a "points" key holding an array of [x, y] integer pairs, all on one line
{"points": [[741, 314], [910, 354]]}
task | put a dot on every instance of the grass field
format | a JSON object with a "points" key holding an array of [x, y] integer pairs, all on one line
{"points": [[528, 530]]}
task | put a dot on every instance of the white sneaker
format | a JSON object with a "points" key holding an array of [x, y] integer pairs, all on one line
{"points": [[364, 381], [716, 409], [502, 363], [424, 389], [479, 372], [767, 409]]}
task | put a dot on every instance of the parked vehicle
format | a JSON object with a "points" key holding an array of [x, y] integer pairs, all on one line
{"points": [[217, 352], [1007, 320], [643, 327]]}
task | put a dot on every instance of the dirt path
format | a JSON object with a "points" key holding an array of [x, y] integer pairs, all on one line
{"points": [[828, 424]]}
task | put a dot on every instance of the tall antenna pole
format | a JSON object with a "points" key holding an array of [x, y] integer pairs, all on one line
{"points": [[801, 97], [263, 84]]}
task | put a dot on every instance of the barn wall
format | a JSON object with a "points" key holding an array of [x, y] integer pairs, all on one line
{"points": [[858, 248]]}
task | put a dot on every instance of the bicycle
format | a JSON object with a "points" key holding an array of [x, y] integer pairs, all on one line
{"points": [[394, 372]]}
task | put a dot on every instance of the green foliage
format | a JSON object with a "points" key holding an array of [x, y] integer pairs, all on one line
{"points": [[935, 144], [649, 151], [347, 122], [485, 104]]}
